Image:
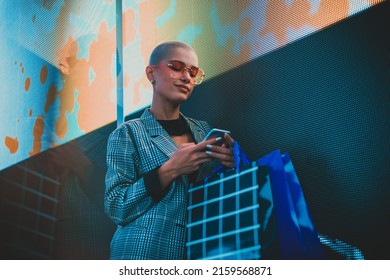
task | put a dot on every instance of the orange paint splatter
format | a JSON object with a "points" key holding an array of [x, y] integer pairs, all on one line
{"points": [[62, 126], [12, 144], [228, 14], [374, 2], [129, 30], [149, 11], [245, 51], [27, 84], [280, 16], [126, 80], [137, 95], [43, 74], [51, 96], [67, 55], [245, 26], [37, 133], [144, 82], [328, 13], [30, 113], [95, 107], [94, 99]]}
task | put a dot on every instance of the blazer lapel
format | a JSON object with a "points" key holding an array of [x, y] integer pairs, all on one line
{"points": [[158, 134], [161, 138], [166, 144], [197, 132]]}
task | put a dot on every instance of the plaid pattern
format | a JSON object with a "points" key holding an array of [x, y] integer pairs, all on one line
{"points": [[146, 229]]}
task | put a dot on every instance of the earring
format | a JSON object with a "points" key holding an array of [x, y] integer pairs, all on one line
{"points": [[152, 81]]}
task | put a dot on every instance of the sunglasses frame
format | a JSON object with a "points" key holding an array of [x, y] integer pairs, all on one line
{"points": [[199, 73]]}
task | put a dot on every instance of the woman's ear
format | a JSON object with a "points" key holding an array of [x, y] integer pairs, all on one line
{"points": [[149, 73]]}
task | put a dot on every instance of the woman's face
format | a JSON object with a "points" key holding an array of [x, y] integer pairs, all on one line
{"points": [[171, 85]]}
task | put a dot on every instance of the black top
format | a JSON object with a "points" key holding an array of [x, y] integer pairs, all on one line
{"points": [[176, 127]]}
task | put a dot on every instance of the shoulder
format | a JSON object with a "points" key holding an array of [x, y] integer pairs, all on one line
{"points": [[129, 125], [127, 129]]}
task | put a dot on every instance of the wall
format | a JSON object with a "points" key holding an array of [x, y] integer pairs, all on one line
{"points": [[298, 74], [60, 72], [325, 100]]}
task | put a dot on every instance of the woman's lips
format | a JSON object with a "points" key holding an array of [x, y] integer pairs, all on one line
{"points": [[183, 88]]}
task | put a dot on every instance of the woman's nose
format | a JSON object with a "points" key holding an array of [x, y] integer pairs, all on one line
{"points": [[186, 74]]}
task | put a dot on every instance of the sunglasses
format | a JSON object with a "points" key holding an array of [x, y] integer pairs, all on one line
{"points": [[196, 73]]}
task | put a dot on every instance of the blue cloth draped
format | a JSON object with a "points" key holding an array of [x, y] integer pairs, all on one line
{"points": [[298, 238]]}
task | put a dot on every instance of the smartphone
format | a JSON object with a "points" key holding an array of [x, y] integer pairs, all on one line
{"points": [[214, 133]]}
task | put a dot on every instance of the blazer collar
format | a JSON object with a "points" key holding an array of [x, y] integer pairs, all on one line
{"points": [[161, 138], [196, 130]]}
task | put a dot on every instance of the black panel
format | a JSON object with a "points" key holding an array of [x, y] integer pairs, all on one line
{"points": [[325, 100]]}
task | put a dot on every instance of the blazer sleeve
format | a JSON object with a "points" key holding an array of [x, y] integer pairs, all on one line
{"points": [[126, 197]]}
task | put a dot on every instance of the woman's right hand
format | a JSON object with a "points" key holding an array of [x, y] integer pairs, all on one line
{"points": [[187, 159]]}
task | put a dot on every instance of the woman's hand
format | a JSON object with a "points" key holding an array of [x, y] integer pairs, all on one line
{"points": [[186, 159], [224, 152], [189, 157]]}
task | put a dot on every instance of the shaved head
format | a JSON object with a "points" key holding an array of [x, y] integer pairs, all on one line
{"points": [[165, 49]]}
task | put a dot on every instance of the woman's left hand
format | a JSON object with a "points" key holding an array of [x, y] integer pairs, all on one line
{"points": [[224, 152]]}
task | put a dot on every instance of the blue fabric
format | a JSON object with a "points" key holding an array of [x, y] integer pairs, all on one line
{"points": [[239, 156], [239, 159], [309, 236], [297, 236]]}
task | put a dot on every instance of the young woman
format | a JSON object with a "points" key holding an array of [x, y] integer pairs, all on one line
{"points": [[152, 160]]}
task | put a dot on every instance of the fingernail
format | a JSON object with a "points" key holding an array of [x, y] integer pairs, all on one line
{"points": [[209, 152], [218, 139], [209, 146]]}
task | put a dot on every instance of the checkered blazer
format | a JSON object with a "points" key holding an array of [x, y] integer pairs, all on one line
{"points": [[147, 229]]}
